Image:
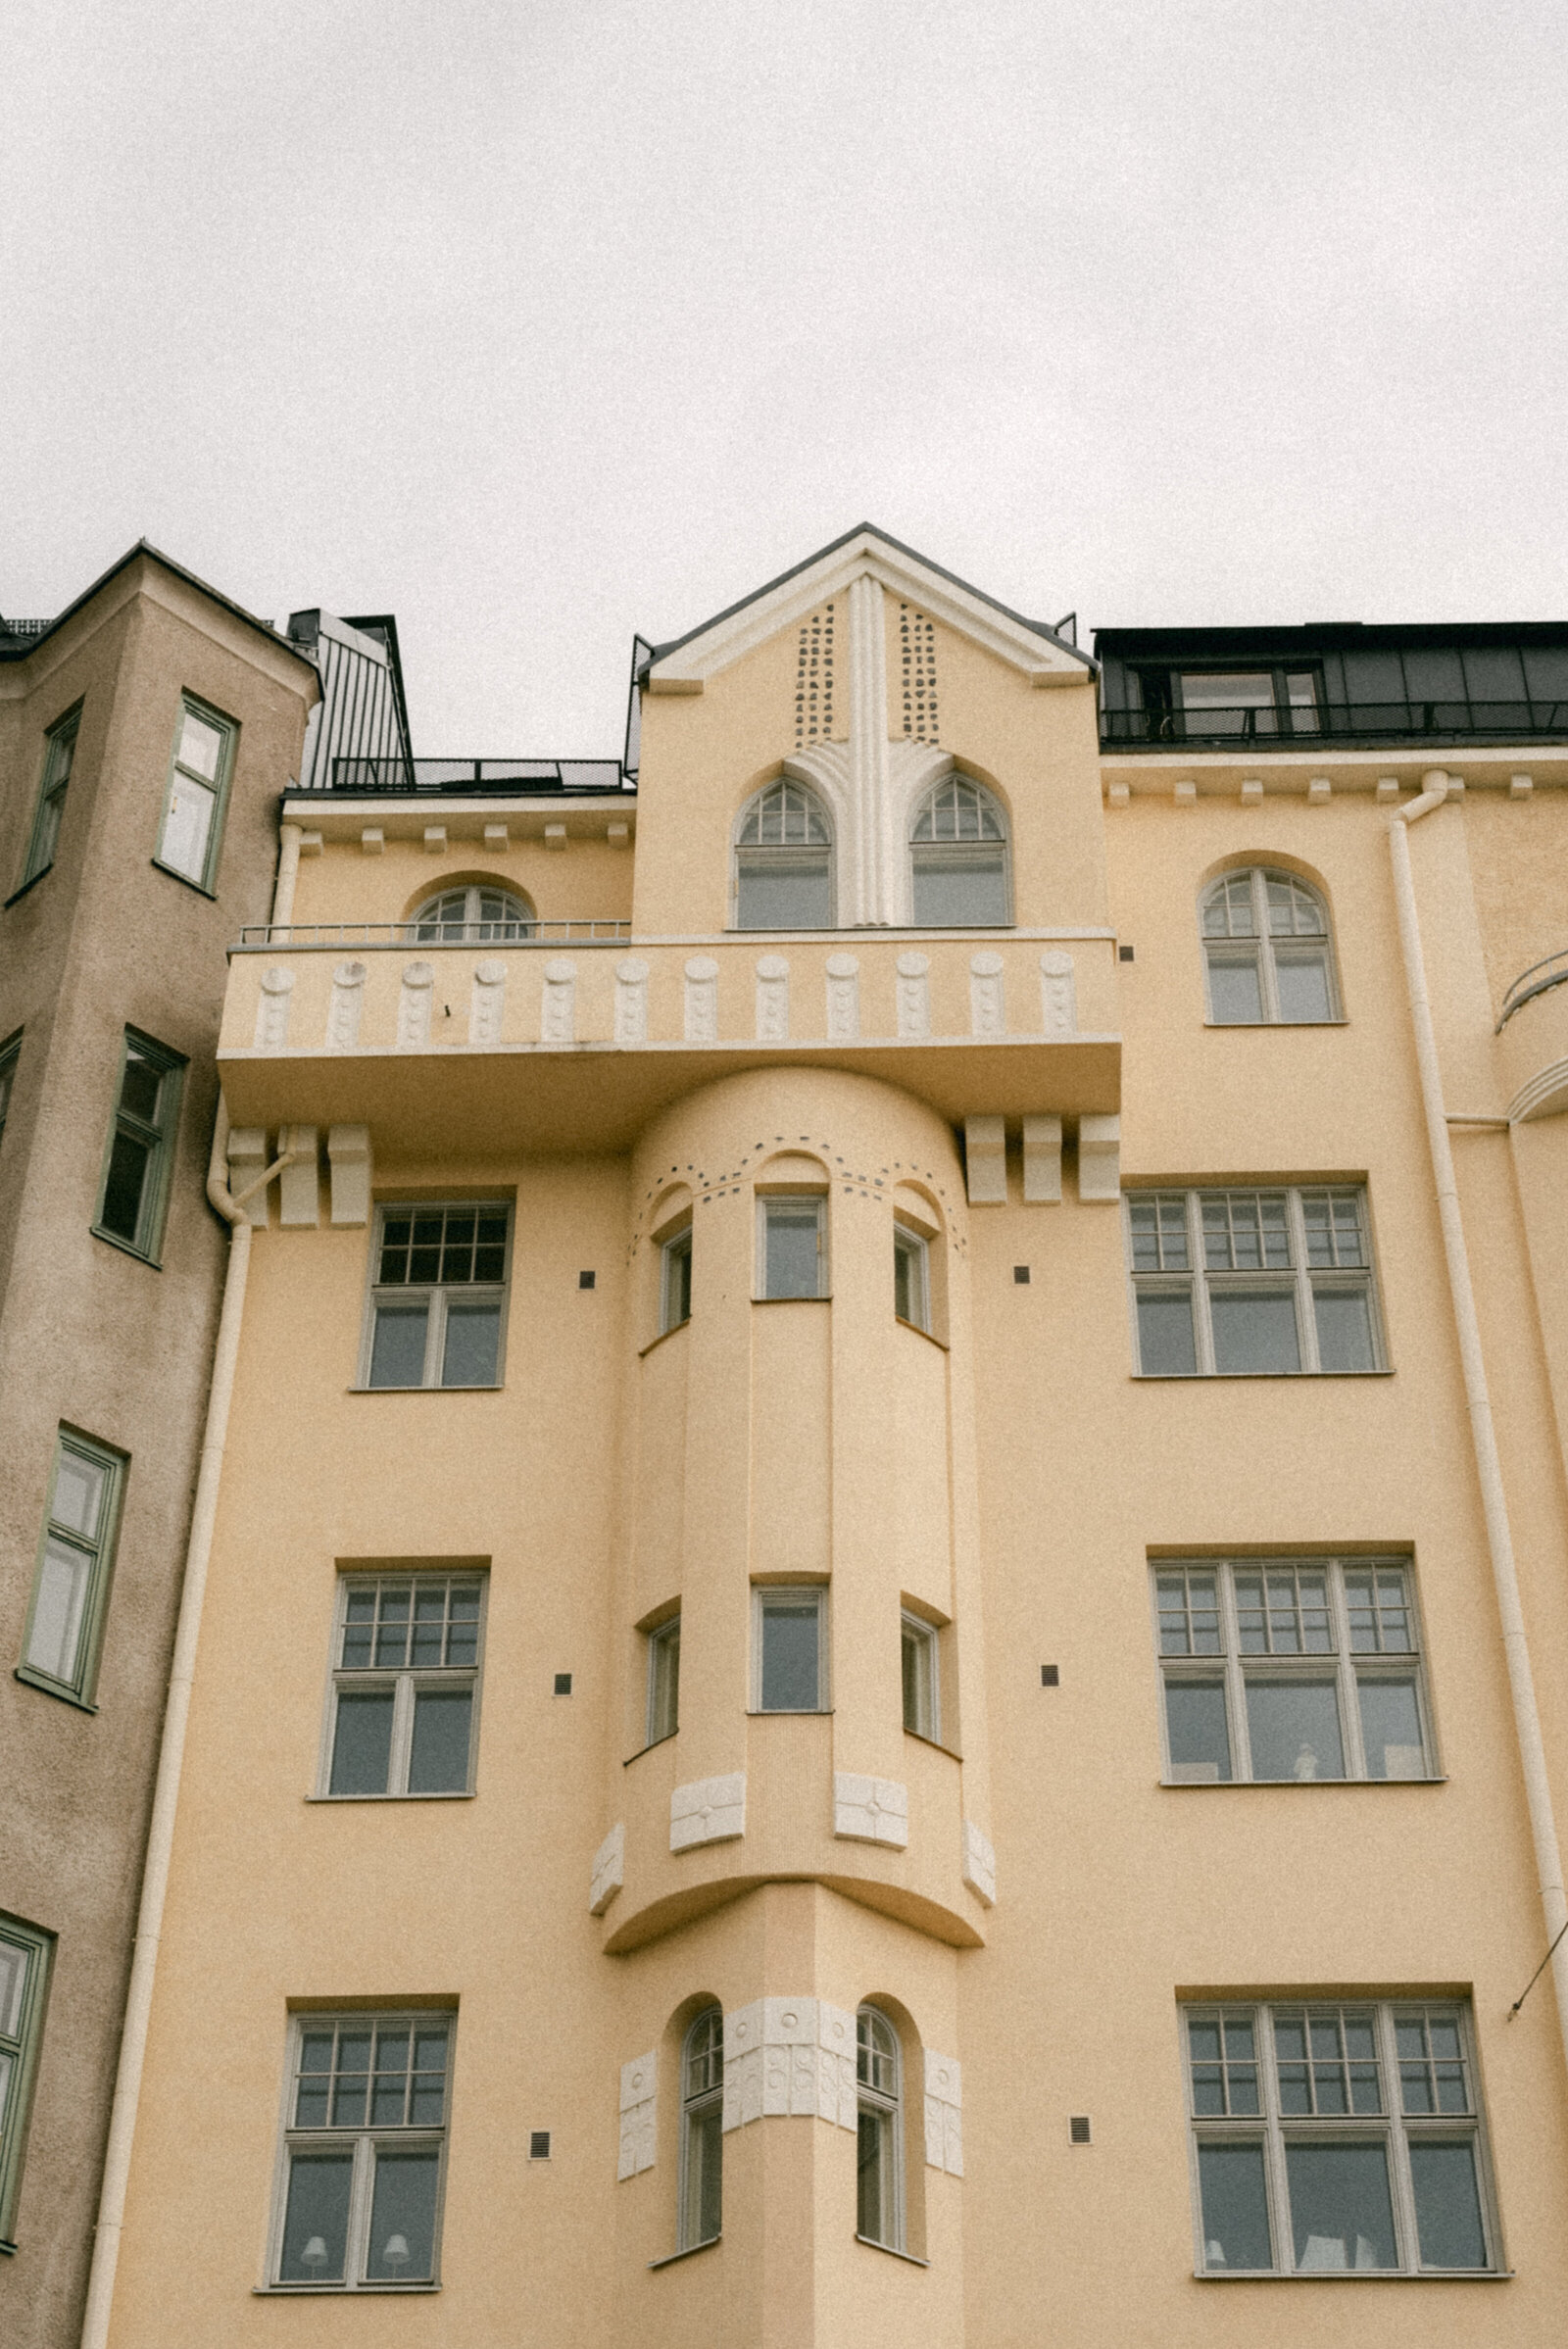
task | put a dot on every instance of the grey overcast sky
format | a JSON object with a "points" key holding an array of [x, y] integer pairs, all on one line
{"points": [[540, 324]]}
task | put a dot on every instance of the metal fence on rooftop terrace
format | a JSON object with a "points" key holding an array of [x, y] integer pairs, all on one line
{"points": [[1345, 722], [478, 775]]}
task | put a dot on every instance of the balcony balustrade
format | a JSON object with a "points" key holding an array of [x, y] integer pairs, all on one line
{"points": [[1334, 722]]}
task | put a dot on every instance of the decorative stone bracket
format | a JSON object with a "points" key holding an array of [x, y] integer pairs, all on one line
{"points": [[639, 2113], [790, 2055], [871, 1810], [710, 1810], [943, 2114], [979, 1864], [608, 1870]]}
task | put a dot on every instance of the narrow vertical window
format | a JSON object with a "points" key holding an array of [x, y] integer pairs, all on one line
{"points": [[701, 2139], [10, 1055], [794, 1260], [675, 1281], [76, 1558], [922, 1711], [784, 863], [438, 1296], [24, 1955], [141, 1147], [60, 749], [664, 1680], [958, 859], [879, 2210], [789, 1652], [364, 2152], [191, 834], [911, 1278], [405, 1684]]}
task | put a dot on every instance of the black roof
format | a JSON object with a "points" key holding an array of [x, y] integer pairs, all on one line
{"points": [[1318, 636], [19, 648]]}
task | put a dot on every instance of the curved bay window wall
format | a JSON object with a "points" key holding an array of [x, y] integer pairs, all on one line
{"points": [[1267, 952], [784, 861], [958, 859], [472, 916]]}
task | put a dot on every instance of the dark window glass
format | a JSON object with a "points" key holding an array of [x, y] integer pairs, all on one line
{"points": [[1234, 2203], [1293, 1729], [402, 2215], [1166, 1343], [1200, 1743], [362, 1744], [1448, 2205], [316, 2223], [791, 1638], [438, 1763], [1341, 2212], [472, 1342], [397, 1352], [129, 1162]]}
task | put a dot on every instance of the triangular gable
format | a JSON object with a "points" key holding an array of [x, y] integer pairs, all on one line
{"points": [[1046, 659]]}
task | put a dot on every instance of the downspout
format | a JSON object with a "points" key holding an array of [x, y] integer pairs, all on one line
{"points": [[288, 872], [1483, 1435], [172, 1751]]}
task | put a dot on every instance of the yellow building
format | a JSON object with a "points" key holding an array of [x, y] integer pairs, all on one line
{"points": [[883, 1646]]}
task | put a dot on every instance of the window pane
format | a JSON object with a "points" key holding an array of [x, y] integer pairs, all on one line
{"points": [[705, 2174], [790, 893], [875, 2166], [1390, 1729], [663, 1682], [1234, 990], [1343, 1328], [403, 2215], [7, 2065], [47, 836], [908, 1280], [1254, 1330], [362, 1745], [1340, 2213], [128, 1164], [1294, 1729], [13, 1979], [200, 746], [186, 827], [1448, 2206], [677, 1281], [1200, 1741], [397, 1350], [140, 1086], [316, 2222], [1301, 975], [1235, 2202], [58, 1608], [1229, 696], [439, 1761], [1166, 1343], [472, 1342], [793, 1255], [917, 1708], [790, 1641], [959, 891], [1189, 1615], [78, 1493], [430, 1624]]}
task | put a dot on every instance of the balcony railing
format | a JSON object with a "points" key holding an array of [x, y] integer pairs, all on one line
{"points": [[425, 933], [1538, 979], [478, 777], [1350, 721]]}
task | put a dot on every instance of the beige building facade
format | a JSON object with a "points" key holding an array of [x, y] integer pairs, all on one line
{"points": [[885, 1655]]}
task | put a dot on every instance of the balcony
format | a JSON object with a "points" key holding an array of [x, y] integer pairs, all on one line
{"points": [[1369, 722], [537, 1048], [505, 778]]}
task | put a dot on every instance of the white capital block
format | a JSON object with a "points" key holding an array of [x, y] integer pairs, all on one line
{"points": [[1041, 1160], [710, 1810], [1098, 1158], [871, 1810], [348, 1154], [985, 1159]]}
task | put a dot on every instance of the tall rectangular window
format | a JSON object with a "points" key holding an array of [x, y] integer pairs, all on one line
{"points": [[191, 834], [675, 1281], [10, 1055], [1335, 2139], [922, 1711], [790, 1650], [664, 1679], [358, 2207], [1252, 1283], [60, 749], [438, 1298], [76, 1560], [911, 1278], [790, 1246], [1290, 1669], [135, 1198], [24, 1955], [405, 1683]]}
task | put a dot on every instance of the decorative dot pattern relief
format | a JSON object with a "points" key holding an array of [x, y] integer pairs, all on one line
{"points": [[813, 679], [917, 651], [854, 1183]]}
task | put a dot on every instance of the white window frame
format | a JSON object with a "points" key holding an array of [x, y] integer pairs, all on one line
{"points": [[694, 2105], [365, 2142], [961, 852], [916, 1250], [407, 1681], [790, 1205], [766, 1595], [94, 1550], [782, 853], [1264, 945], [664, 1679], [54, 784], [1348, 1666], [1299, 1278], [217, 785], [1393, 2128], [424, 927], [671, 1252], [27, 1957], [436, 1294], [887, 2105], [914, 1631]]}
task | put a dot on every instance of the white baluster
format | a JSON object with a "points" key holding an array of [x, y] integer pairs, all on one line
{"points": [[702, 999], [914, 995], [986, 1012], [414, 1008], [346, 1009], [272, 1012], [1058, 994], [558, 1014], [631, 1000], [772, 1000], [843, 998]]}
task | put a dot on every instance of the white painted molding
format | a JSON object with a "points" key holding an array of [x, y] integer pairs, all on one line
{"points": [[913, 990], [555, 836], [346, 1007], [373, 840], [608, 1872], [1041, 1160], [987, 1011], [1521, 786], [1058, 993], [639, 2114], [487, 1003], [414, 1008], [843, 998], [299, 1192], [1546, 1095], [1186, 794], [772, 1000], [1318, 790], [557, 1006], [248, 1160], [497, 839], [348, 1156], [979, 1867], [868, 744], [631, 1000], [435, 840], [985, 1157], [871, 1810], [943, 2114], [790, 2056], [272, 1010], [702, 999], [1098, 1158], [1252, 792], [710, 1810]]}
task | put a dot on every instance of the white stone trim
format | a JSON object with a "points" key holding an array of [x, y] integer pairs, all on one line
{"points": [[435, 840], [608, 1872], [487, 1003], [772, 1000], [272, 1008], [702, 999], [979, 1863], [373, 840], [299, 1197], [943, 2113], [790, 2056], [985, 1157], [988, 1008], [639, 2115], [631, 1000], [843, 998], [913, 993], [346, 1008], [557, 1003], [555, 836], [1041, 1160], [871, 1810], [349, 1158], [414, 1008], [497, 839], [1098, 1158], [1058, 993], [710, 1810]]}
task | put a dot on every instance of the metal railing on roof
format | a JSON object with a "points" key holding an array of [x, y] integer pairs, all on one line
{"points": [[479, 776], [25, 628], [1538, 979], [433, 933], [1344, 721]]}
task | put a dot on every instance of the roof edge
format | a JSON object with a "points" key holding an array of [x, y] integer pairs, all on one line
{"points": [[145, 547]]}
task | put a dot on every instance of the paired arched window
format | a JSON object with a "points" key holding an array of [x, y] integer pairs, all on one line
{"points": [[1268, 950], [473, 916], [879, 2208], [958, 859], [702, 2126], [784, 861]]}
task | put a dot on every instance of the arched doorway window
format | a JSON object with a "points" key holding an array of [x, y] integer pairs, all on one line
{"points": [[879, 2210], [477, 915], [958, 859], [702, 2124], [784, 861]]}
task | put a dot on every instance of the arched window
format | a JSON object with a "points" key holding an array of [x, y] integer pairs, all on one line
{"points": [[702, 2123], [959, 856], [1266, 945], [784, 861], [879, 2210], [473, 916]]}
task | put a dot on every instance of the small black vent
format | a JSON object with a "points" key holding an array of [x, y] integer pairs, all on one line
{"points": [[1051, 1678], [562, 1683], [586, 1280], [1077, 2128], [539, 2142], [1126, 952], [1020, 1273]]}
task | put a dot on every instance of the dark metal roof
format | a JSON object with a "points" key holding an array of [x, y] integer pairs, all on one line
{"points": [[21, 650], [1319, 636]]}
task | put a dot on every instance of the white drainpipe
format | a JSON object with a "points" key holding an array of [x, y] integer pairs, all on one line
{"points": [[1483, 1435], [172, 1752], [289, 837]]}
